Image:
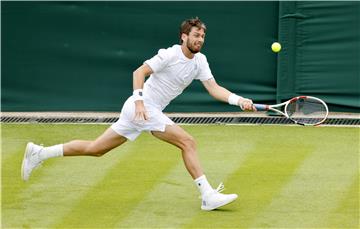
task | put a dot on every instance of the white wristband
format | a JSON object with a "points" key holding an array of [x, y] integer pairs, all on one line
{"points": [[234, 99], [138, 94]]}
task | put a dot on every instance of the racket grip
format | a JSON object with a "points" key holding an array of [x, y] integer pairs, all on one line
{"points": [[261, 107]]}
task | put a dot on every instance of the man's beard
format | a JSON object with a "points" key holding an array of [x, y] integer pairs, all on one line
{"points": [[192, 49]]}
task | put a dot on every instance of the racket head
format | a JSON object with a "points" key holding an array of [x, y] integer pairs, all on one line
{"points": [[306, 110]]}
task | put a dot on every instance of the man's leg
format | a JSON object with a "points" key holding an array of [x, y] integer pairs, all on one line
{"points": [[103, 144], [177, 136], [35, 154], [211, 199]]}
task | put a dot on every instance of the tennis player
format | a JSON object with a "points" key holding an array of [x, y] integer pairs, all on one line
{"points": [[170, 71]]}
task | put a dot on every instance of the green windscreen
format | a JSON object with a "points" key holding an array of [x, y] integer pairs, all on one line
{"points": [[80, 56]]}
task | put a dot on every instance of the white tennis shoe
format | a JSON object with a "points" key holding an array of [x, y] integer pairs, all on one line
{"points": [[215, 199], [31, 160]]}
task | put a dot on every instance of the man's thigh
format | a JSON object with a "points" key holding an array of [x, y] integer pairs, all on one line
{"points": [[173, 134], [109, 140]]}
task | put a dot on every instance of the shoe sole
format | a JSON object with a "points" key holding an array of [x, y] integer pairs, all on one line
{"points": [[218, 206], [27, 149]]}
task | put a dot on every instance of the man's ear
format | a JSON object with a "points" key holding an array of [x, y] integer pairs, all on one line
{"points": [[183, 37]]}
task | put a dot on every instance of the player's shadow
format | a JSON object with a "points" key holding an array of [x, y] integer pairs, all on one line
{"points": [[223, 210]]}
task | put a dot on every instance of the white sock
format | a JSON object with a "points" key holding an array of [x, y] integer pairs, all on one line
{"points": [[52, 151], [203, 184]]}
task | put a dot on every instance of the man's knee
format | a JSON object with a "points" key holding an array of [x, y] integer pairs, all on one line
{"points": [[188, 144]]}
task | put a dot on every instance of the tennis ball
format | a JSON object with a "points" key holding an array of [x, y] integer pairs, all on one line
{"points": [[276, 47]]}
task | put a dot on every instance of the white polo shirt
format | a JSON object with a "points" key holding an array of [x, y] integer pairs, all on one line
{"points": [[172, 73]]}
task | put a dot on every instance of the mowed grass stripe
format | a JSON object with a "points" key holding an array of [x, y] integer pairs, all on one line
{"points": [[14, 139], [169, 204], [57, 185], [346, 215], [124, 186], [55, 189], [320, 184], [174, 201], [259, 179]]}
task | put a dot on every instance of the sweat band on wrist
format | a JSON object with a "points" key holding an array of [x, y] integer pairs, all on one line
{"points": [[234, 99], [138, 94]]}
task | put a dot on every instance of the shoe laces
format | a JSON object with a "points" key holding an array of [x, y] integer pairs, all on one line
{"points": [[39, 162], [219, 189]]}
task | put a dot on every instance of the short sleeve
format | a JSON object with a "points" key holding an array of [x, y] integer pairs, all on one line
{"points": [[205, 72], [159, 61]]}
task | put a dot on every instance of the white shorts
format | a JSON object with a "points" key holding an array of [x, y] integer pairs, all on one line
{"points": [[126, 125]]}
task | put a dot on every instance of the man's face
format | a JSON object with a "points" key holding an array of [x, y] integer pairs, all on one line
{"points": [[195, 40]]}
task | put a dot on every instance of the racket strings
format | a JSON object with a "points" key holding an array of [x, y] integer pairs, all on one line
{"points": [[306, 111]]}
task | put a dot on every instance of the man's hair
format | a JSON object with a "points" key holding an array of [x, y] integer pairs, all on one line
{"points": [[186, 26]]}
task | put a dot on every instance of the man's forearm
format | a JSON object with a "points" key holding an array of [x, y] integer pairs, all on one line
{"points": [[221, 93], [138, 80], [139, 76]]}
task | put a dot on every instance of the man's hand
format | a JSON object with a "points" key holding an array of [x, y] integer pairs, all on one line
{"points": [[140, 111], [246, 104]]}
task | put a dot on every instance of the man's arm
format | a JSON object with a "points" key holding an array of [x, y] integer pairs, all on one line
{"points": [[222, 94], [139, 76], [138, 84]]}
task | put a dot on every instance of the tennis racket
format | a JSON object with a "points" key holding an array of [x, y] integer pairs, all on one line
{"points": [[302, 110]]}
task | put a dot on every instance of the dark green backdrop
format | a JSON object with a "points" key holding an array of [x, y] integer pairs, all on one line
{"points": [[79, 56], [321, 52]]}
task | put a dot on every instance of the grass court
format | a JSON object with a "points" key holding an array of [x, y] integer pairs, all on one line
{"points": [[285, 176]]}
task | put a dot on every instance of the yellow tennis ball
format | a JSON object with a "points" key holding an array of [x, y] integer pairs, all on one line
{"points": [[276, 47]]}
